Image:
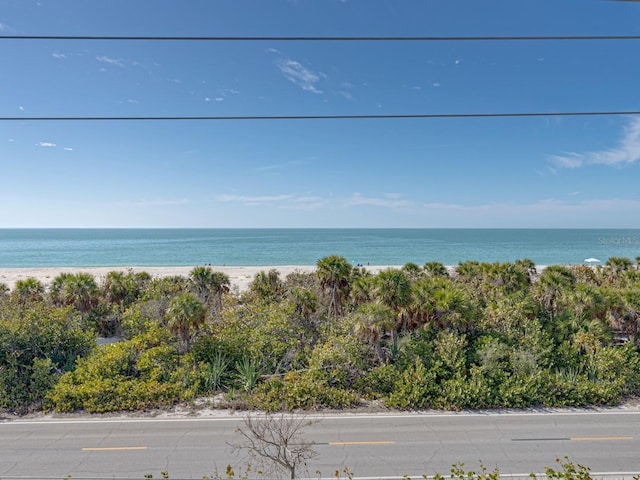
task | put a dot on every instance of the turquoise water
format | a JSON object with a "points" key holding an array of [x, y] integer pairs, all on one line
{"points": [[263, 247]]}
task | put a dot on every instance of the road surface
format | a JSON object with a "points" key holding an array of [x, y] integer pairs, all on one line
{"points": [[371, 446]]}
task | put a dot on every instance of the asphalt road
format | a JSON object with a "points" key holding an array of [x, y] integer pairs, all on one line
{"points": [[371, 446]]}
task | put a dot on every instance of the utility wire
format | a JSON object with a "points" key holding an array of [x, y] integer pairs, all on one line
{"points": [[324, 117], [323, 38]]}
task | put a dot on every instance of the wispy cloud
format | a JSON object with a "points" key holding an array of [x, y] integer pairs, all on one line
{"points": [[46, 144], [625, 153], [299, 75], [158, 202], [5, 28], [223, 93], [552, 208], [255, 200], [348, 95], [388, 200], [279, 166], [117, 62], [309, 202]]}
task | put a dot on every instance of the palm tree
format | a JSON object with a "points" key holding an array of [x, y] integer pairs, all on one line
{"points": [[124, 288], [529, 266], [305, 306], [200, 278], [512, 277], [304, 301], [81, 291], [186, 315], [371, 322], [393, 289], [421, 307], [220, 284], [554, 283], [267, 285], [436, 269], [208, 284], [115, 287], [334, 273], [362, 289], [58, 285], [29, 290], [413, 270], [615, 266], [450, 307]]}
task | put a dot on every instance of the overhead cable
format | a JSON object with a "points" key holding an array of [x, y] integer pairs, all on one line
{"points": [[323, 38], [324, 117]]}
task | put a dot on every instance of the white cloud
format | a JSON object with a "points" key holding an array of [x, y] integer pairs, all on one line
{"points": [[5, 28], [59, 55], [117, 62], [568, 160], [160, 202], [282, 201], [219, 99], [389, 200], [21, 108], [299, 75], [545, 208], [348, 95], [625, 153], [307, 203], [68, 149], [46, 144], [279, 166], [254, 200]]}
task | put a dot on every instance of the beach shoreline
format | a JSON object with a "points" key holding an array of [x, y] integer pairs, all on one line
{"points": [[240, 277]]}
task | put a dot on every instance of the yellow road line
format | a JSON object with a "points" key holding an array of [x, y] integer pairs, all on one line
{"points": [[102, 449], [362, 443], [588, 439]]}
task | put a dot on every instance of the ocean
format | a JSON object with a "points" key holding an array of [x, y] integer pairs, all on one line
{"points": [[273, 247]]}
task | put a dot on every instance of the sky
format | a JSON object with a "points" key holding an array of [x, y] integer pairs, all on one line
{"points": [[523, 172]]}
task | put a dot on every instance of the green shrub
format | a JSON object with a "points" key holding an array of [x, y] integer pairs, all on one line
{"points": [[414, 389], [377, 382], [300, 391]]}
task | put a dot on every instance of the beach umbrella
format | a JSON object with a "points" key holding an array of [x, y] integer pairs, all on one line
{"points": [[591, 260]]}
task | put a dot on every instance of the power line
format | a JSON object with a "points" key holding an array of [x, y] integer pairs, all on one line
{"points": [[323, 38], [325, 117]]}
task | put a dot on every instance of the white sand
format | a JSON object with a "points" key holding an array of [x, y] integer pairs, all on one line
{"points": [[240, 277]]}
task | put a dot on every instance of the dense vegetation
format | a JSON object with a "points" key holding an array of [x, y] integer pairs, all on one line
{"points": [[480, 336]]}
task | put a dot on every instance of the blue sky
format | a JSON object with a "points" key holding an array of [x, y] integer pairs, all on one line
{"points": [[578, 172]]}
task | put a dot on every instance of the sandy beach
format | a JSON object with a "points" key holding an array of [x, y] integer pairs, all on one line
{"points": [[240, 277]]}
